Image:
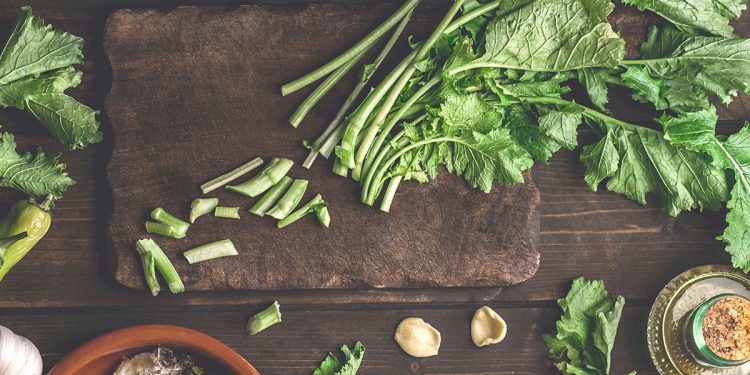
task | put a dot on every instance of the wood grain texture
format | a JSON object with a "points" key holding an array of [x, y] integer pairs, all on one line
{"points": [[187, 103]]}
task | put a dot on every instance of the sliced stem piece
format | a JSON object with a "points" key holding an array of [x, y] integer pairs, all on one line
{"points": [[231, 176], [202, 206], [273, 173], [339, 168], [166, 224], [213, 250], [149, 271], [227, 212], [289, 200], [390, 192], [264, 319], [363, 45], [324, 218], [271, 197], [166, 230], [162, 263], [314, 205]]}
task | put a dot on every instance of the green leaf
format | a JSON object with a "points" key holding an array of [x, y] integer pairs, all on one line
{"points": [[34, 48], [594, 80], [469, 112], [552, 35], [71, 122], [35, 175], [332, 366], [14, 94], [586, 331], [710, 17], [527, 130], [682, 67], [562, 125], [648, 163]]}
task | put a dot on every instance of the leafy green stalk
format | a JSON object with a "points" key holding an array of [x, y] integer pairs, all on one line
{"points": [[289, 200], [314, 205], [696, 16], [363, 45], [339, 168], [37, 176], [271, 197], [353, 360], [218, 249], [390, 192], [166, 224], [264, 319], [202, 206], [273, 173], [231, 176], [162, 264], [149, 270], [227, 212], [7, 242]]}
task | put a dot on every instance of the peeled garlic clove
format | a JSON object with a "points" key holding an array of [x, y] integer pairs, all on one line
{"points": [[417, 338], [487, 327]]}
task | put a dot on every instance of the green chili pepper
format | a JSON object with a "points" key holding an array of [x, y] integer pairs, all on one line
{"points": [[24, 217]]}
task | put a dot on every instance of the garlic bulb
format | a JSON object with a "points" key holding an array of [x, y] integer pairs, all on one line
{"points": [[487, 327], [18, 356], [417, 338]]}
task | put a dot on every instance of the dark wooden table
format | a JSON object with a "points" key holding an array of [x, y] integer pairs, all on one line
{"points": [[60, 296]]}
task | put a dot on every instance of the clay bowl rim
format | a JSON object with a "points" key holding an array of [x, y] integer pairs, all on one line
{"points": [[143, 336]]}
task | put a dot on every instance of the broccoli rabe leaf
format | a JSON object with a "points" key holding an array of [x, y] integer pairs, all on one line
{"points": [[696, 131], [706, 17], [353, 359], [557, 35], [34, 48], [587, 329], [594, 80], [37, 175]]}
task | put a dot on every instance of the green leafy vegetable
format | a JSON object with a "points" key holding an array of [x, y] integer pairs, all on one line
{"points": [[353, 359], [37, 175], [35, 70], [709, 17], [587, 329]]}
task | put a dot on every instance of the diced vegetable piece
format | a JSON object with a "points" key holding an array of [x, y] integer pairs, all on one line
{"points": [[290, 200], [231, 176], [271, 197], [264, 319], [149, 270], [202, 206], [273, 173], [165, 230], [314, 205], [166, 224], [213, 250], [227, 212], [147, 247]]}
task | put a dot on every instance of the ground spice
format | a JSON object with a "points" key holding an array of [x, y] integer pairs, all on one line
{"points": [[726, 328]]}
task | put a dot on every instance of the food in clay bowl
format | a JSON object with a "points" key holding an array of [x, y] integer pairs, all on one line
{"points": [[154, 350]]}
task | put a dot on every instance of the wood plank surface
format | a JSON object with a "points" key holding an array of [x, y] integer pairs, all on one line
{"points": [[60, 296]]}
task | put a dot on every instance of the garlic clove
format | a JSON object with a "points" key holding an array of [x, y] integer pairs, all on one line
{"points": [[417, 338], [487, 327], [18, 355]]}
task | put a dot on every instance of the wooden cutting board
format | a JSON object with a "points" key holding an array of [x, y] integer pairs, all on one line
{"points": [[195, 93]]}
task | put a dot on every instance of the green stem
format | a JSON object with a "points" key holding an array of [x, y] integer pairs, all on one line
{"points": [[403, 80], [339, 168], [149, 271], [588, 112], [390, 192], [264, 319], [336, 123], [7, 242], [324, 218], [166, 224], [227, 212], [231, 176], [323, 89], [270, 197], [162, 263], [313, 205], [202, 206], [273, 173], [385, 151], [213, 250], [289, 200], [363, 45]]}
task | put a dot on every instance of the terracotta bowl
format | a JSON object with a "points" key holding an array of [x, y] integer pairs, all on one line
{"points": [[101, 355]]}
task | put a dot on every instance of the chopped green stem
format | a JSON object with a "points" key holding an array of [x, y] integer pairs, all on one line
{"points": [[289, 200], [264, 319], [202, 206], [360, 117], [324, 218], [227, 212], [390, 192], [588, 112], [149, 271], [385, 152], [273, 173], [323, 89], [271, 196], [162, 216], [336, 123], [162, 229], [166, 224], [363, 45], [314, 205], [364, 149], [231, 176], [213, 250], [339, 168], [7, 242], [162, 263]]}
